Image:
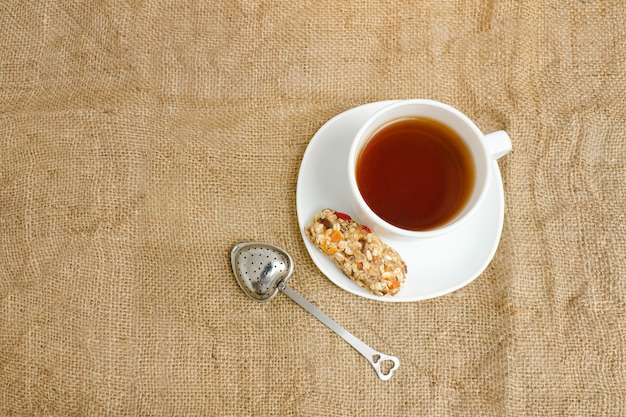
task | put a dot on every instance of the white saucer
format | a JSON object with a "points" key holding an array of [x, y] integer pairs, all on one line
{"points": [[436, 266]]}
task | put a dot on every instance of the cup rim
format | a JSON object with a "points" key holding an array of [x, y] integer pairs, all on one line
{"points": [[358, 142]]}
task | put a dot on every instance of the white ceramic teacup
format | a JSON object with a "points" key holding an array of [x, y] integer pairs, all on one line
{"points": [[484, 150]]}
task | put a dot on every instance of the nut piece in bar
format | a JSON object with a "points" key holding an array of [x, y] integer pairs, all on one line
{"points": [[358, 252]]}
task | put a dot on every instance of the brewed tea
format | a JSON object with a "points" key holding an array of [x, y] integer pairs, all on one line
{"points": [[415, 173]]}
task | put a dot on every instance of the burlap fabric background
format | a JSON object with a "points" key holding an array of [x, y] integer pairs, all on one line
{"points": [[139, 141]]}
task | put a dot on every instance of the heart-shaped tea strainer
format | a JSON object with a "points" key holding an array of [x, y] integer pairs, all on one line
{"points": [[262, 270]]}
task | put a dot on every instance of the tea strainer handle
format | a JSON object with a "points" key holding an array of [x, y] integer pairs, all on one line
{"points": [[375, 358]]}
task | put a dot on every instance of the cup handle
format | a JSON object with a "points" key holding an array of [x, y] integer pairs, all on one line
{"points": [[498, 143]]}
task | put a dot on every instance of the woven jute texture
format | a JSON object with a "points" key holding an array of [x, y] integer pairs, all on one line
{"points": [[141, 140]]}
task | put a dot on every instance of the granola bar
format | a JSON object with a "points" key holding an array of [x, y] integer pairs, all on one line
{"points": [[358, 252]]}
